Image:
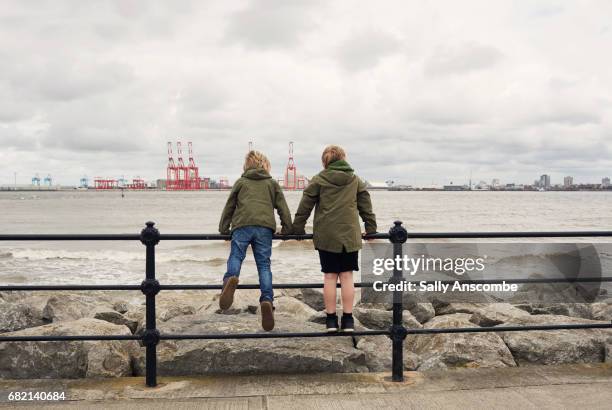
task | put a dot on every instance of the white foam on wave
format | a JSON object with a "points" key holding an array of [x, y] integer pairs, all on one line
{"points": [[60, 254], [107, 256]]}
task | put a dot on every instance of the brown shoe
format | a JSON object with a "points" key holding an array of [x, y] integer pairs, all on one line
{"points": [[267, 315], [227, 294]]}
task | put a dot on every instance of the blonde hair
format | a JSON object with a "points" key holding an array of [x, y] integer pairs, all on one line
{"points": [[255, 159], [332, 153]]}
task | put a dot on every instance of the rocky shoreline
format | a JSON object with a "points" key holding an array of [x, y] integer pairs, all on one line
{"points": [[122, 313]]}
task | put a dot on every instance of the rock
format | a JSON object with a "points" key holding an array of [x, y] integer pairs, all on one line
{"points": [[245, 301], [313, 298], [378, 318], [121, 307], [170, 312], [608, 350], [69, 307], [294, 293], [459, 349], [136, 314], [496, 313], [422, 311], [458, 307], [172, 304], [378, 354], [118, 319], [292, 307], [69, 359], [583, 310], [560, 293], [601, 311], [17, 316], [554, 346], [250, 356]]}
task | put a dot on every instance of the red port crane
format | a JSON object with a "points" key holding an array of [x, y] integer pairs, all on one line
{"points": [[105, 183], [193, 172], [292, 180], [171, 171], [183, 171], [181, 176]]}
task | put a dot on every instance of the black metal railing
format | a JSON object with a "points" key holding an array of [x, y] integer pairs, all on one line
{"points": [[150, 287]]}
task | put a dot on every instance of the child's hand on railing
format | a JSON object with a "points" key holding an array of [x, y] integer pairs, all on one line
{"points": [[298, 232], [364, 234]]}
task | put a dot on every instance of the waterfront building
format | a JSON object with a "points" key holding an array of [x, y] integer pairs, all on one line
{"points": [[544, 181], [568, 182]]}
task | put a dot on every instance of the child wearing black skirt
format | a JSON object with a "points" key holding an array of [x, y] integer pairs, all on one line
{"points": [[339, 198]]}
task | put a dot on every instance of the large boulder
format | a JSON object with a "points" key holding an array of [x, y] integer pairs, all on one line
{"points": [[582, 310], [312, 297], [118, 319], [496, 313], [459, 349], [17, 316], [245, 301], [379, 353], [68, 359], [178, 303], [458, 307], [601, 311], [250, 356], [555, 346], [290, 306], [376, 317], [68, 307], [422, 311]]}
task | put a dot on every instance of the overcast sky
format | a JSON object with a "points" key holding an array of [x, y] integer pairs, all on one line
{"points": [[416, 91]]}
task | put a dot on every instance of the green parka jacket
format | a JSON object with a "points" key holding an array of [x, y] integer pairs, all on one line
{"points": [[252, 202], [340, 198]]}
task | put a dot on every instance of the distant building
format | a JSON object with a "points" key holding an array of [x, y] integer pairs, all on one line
{"points": [[495, 183], [452, 187], [568, 182], [605, 182], [544, 181], [482, 186]]}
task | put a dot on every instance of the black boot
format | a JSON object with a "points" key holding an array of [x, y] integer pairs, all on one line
{"points": [[331, 322], [348, 324]]}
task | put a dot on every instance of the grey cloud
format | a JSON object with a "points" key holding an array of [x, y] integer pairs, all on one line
{"points": [[266, 24], [461, 59], [547, 10], [71, 81], [365, 49]]}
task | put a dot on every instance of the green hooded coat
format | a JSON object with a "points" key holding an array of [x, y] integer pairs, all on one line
{"points": [[252, 202], [340, 198]]}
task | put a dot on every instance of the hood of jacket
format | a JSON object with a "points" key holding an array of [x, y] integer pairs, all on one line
{"points": [[256, 173], [338, 173]]}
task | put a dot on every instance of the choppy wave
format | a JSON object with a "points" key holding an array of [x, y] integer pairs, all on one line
{"points": [[293, 244], [58, 254], [107, 256]]}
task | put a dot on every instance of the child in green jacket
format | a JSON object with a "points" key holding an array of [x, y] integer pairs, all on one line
{"points": [[250, 213], [340, 198]]}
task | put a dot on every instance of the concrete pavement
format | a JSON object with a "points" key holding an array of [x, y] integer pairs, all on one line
{"points": [[537, 387]]}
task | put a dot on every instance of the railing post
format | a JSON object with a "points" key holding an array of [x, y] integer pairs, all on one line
{"points": [[149, 236], [398, 235]]}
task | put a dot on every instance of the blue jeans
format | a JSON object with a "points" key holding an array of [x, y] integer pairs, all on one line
{"points": [[260, 239]]}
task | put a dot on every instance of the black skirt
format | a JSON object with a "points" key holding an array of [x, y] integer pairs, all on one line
{"points": [[332, 262]]}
